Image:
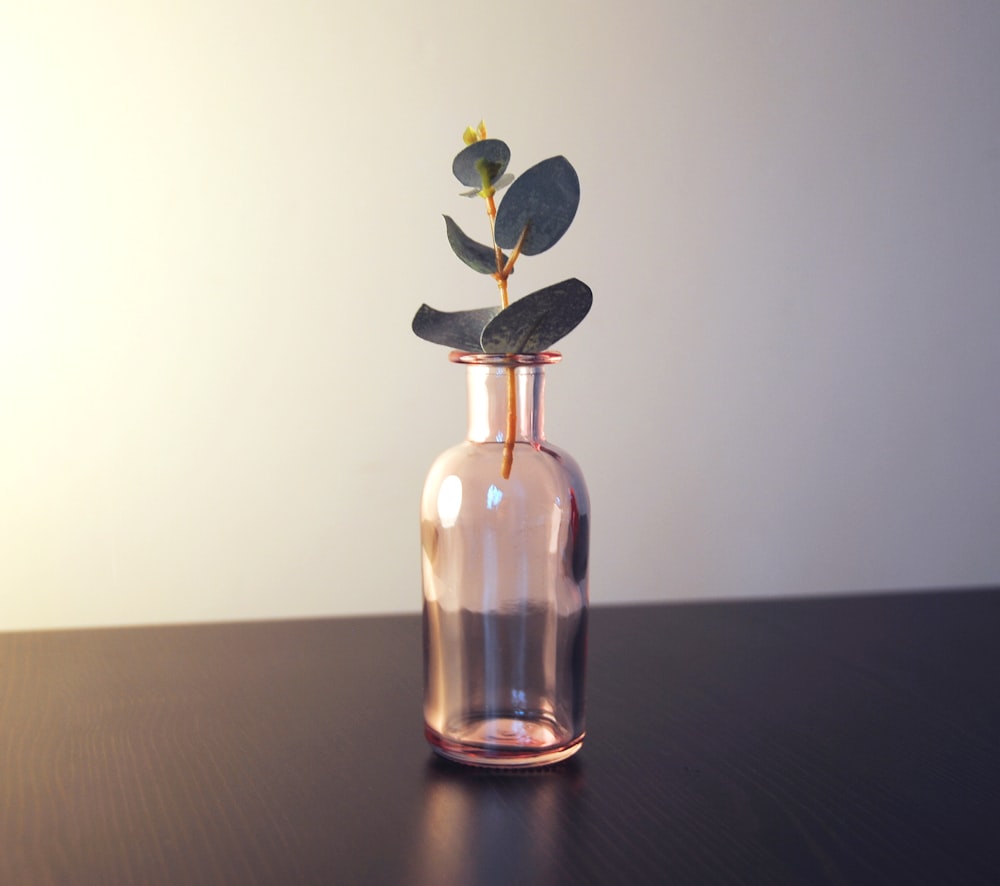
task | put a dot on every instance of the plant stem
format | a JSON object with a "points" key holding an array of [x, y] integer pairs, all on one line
{"points": [[500, 276], [508, 450], [511, 434], [508, 268], [503, 272]]}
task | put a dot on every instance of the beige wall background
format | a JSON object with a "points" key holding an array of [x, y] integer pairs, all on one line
{"points": [[217, 219]]}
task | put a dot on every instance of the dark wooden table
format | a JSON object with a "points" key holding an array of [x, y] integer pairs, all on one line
{"points": [[850, 740]]}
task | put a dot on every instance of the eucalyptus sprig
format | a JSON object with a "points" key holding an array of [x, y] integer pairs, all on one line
{"points": [[535, 212], [533, 215]]}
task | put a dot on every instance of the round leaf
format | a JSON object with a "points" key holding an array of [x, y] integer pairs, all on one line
{"points": [[476, 255], [543, 199], [461, 330], [490, 151], [539, 320]]}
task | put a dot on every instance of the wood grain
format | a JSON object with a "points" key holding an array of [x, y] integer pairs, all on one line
{"points": [[847, 740]]}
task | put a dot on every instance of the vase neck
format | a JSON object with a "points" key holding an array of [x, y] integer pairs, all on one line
{"points": [[489, 394]]}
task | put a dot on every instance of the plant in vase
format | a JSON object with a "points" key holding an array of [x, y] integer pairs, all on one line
{"points": [[505, 539], [532, 217]]}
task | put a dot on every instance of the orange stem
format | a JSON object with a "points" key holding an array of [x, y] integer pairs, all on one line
{"points": [[503, 272]]}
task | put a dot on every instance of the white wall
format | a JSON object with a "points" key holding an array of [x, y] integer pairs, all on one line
{"points": [[217, 218]]}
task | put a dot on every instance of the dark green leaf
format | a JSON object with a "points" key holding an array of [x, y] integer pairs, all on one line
{"points": [[539, 320], [545, 199], [491, 153], [477, 256], [461, 330]]}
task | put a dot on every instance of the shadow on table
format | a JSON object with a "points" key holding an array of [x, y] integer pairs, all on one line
{"points": [[482, 825]]}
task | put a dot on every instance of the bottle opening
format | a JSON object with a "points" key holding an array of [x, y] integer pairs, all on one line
{"points": [[542, 358]]}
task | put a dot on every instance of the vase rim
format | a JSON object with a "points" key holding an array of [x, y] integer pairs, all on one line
{"points": [[540, 358]]}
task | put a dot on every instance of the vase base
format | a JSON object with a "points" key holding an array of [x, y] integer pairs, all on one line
{"points": [[504, 742]]}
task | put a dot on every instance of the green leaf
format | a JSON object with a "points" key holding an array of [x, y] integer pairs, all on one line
{"points": [[500, 183], [491, 155], [476, 255], [461, 330], [544, 199], [539, 320]]}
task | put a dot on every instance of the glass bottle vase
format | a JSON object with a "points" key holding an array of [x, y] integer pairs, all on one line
{"points": [[505, 520]]}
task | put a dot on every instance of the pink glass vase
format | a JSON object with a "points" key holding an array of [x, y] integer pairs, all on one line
{"points": [[505, 578]]}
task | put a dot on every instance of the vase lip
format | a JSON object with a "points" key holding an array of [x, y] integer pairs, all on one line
{"points": [[540, 358]]}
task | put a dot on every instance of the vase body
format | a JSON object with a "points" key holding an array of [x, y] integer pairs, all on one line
{"points": [[504, 563]]}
